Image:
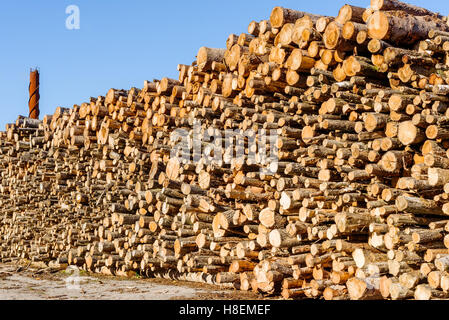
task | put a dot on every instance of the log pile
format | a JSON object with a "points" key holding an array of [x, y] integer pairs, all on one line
{"points": [[356, 207]]}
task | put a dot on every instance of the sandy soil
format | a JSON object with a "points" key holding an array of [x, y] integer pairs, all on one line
{"points": [[21, 283]]}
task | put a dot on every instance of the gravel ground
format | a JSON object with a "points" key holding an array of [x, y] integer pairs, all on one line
{"points": [[21, 283]]}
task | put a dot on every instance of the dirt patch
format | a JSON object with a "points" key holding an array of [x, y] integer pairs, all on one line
{"points": [[21, 283]]}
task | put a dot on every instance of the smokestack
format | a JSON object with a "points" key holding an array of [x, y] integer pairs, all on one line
{"points": [[33, 102]]}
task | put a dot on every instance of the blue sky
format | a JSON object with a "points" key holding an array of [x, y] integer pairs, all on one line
{"points": [[120, 43]]}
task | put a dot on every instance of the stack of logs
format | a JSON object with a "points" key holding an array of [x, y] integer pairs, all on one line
{"points": [[357, 207]]}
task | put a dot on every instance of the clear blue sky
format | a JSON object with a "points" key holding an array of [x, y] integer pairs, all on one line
{"points": [[120, 43]]}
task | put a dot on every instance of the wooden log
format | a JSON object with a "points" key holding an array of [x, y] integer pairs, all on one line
{"points": [[398, 29], [280, 16], [418, 206], [206, 56], [390, 5]]}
